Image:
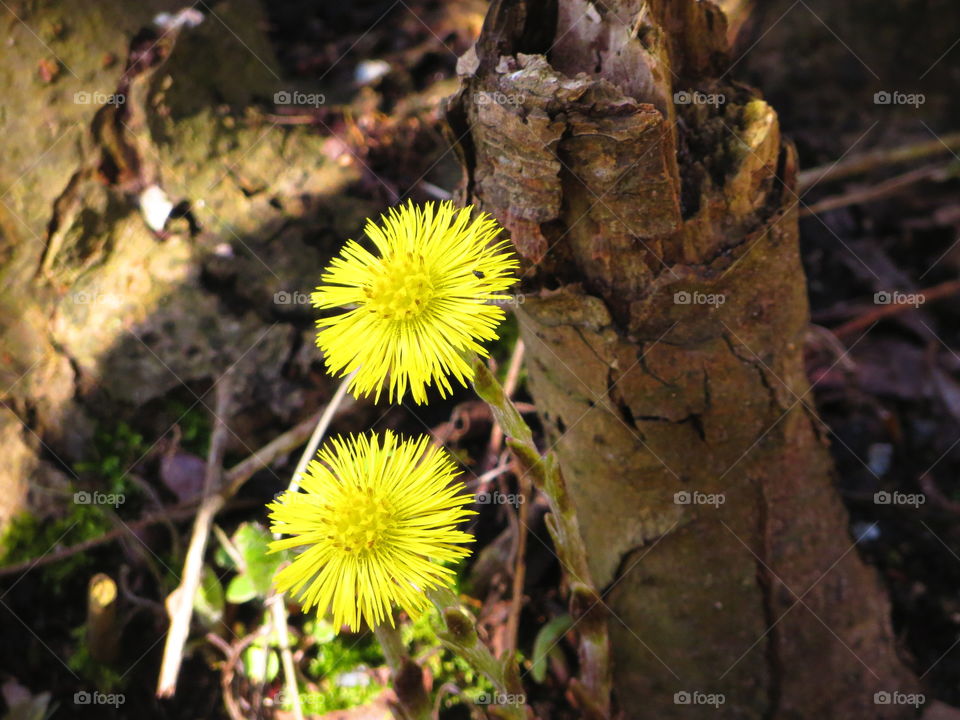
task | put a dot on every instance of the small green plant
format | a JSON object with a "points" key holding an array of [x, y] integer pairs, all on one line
{"points": [[247, 552]]}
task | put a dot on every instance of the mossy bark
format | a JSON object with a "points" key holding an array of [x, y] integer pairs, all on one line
{"points": [[665, 312], [98, 312]]}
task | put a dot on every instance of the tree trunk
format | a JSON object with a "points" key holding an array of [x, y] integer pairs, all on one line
{"points": [[665, 312]]}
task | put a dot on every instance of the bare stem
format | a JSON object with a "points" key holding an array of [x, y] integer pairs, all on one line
{"points": [[509, 385], [322, 426], [519, 563], [884, 157]]}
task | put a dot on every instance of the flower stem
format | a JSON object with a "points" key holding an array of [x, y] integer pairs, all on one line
{"points": [[278, 617], [461, 639], [407, 675], [594, 686], [278, 608], [322, 426]]}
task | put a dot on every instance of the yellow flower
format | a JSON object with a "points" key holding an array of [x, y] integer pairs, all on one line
{"points": [[419, 305], [375, 522]]}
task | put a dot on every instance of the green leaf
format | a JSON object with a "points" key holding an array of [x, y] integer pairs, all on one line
{"points": [[208, 602], [545, 642], [260, 663], [240, 590], [253, 543], [222, 558]]}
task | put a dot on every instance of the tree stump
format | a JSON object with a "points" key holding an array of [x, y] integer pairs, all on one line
{"points": [[652, 200]]}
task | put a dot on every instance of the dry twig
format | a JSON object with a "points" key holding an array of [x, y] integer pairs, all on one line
{"points": [[871, 315], [875, 192], [180, 601], [887, 157]]}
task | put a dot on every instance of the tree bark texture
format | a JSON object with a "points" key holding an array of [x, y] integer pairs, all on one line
{"points": [[665, 312]]}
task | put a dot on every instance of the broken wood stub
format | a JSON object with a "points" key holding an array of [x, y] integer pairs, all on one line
{"points": [[652, 202]]}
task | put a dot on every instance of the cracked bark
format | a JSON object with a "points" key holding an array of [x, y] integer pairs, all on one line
{"points": [[623, 204]]}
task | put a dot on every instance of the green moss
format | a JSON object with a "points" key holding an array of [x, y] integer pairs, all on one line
{"points": [[194, 423], [114, 451], [103, 678], [334, 656], [28, 538]]}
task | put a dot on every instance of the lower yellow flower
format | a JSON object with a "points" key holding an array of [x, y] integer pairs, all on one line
{"points": [[374, 521]]}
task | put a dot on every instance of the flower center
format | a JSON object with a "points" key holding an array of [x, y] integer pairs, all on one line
{"points": [[362, 523], [402, 289]]}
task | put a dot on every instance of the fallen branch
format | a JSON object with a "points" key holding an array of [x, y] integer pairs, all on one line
{"points": [[281, 445], [233, 481], [180, 601], [875, 192], [862, 164], [177, 512], [869, 315]]}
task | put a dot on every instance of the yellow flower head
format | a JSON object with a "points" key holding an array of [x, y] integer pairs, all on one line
{"points": [[417, 305], [375, 520]]}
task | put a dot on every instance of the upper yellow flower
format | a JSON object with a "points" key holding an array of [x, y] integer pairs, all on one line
{"points": [[417, 306], [376, 521]]}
